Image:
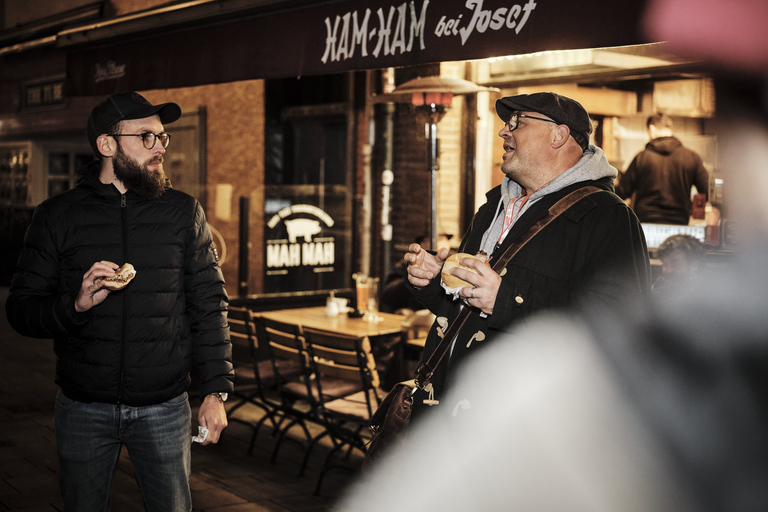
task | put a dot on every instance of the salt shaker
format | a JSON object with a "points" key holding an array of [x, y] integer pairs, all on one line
{"points": [[331, 307]]}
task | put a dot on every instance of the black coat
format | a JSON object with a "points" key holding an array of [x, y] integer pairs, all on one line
{"points": [[135, 347], [592, 256]]}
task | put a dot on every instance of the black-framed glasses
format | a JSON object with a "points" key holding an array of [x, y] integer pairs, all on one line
{"points": [[148, 138], [514, 118]]}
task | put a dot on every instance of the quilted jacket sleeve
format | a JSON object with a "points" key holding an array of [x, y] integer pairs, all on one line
{"points": [[36, 305], [206, 306]]}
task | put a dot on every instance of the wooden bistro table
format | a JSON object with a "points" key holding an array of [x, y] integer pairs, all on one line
{"points": [[315, 317], [386, 335]]}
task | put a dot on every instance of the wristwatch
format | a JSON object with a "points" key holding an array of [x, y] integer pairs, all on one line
{"points": [[221, 396]]}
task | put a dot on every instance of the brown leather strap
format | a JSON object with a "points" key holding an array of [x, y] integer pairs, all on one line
{"points": [[426, 371]]}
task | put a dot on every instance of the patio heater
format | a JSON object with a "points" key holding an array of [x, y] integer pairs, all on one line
{"points": [[431, 97]]}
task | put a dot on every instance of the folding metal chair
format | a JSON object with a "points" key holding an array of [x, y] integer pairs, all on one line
{"points": [[254, 374], [347, 389], [287, 350]]}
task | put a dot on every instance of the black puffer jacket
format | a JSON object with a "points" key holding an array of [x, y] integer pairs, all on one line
{"points": [[135, 347]]}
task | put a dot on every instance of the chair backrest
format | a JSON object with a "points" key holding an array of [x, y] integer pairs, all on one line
{"points": [[245, 344], [240, 331], [339, 356], [285, 342]]}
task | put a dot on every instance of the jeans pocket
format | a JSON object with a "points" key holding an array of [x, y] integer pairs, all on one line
{"points": [[64, 402], [179, 401]]}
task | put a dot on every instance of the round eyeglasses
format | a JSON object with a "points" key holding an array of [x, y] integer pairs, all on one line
{"points": [[149, 138], [513, 119]]}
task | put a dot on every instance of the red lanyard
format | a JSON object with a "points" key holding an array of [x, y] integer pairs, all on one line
{"points": [[510, 215]]}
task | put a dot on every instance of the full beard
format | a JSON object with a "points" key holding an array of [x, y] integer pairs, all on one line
{"points": [[139, 178]]}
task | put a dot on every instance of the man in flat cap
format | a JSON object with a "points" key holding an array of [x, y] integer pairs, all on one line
{"points": [[123, 356], [593, 255]]}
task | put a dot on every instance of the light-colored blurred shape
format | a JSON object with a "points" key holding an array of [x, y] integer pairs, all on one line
{"points": [[547, 429]]}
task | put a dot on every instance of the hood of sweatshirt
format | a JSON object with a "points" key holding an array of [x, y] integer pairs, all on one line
{"points": [[664, 145], [592, 166]]}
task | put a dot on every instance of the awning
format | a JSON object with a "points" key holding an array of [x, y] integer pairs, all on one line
{"points": [[173, 49]]}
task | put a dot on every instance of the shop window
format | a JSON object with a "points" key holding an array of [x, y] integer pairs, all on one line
{"points": [[14, 174], [63, 167], [32, 171], [185, 159], [308, 200]]}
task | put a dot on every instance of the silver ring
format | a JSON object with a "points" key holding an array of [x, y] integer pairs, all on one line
{"points": [[472, 296]]}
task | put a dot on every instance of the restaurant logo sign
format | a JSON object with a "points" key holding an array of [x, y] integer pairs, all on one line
{"points": [[401, 29], [108, 71], [299, 241]]}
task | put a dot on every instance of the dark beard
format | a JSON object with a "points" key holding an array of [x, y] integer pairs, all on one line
{"points": [[138, 178]]}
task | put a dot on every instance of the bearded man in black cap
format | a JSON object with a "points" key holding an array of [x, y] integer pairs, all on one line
{"points": [[592, 256], [123, 356]]}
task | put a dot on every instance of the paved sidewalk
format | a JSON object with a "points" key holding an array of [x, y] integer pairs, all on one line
{"points": [[224, 477]]}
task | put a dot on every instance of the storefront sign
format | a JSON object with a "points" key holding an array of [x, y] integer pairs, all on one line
{"points": [[402, 29], [298, 246], [346, 35], [110, 70], [44, 94]]}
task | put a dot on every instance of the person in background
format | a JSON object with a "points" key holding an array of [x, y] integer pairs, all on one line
{"points": [[682, 258], [594, 254], [123, 357], [660, 177]]}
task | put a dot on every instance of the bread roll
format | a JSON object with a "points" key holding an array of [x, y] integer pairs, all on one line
{"points": [[122, 277], [451, 280]]}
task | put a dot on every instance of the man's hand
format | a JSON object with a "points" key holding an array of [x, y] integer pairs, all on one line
{"points": [[423, 266], [92, 291], [212, 416], [486, 284]]}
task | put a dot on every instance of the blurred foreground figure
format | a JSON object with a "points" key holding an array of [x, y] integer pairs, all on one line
{"points": [[664, 411], [683, 259]]}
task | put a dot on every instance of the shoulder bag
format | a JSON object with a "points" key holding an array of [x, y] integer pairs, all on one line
{"points": [[389, 423]]}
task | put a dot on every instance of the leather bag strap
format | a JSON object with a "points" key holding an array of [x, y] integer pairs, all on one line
{"points": [[426, 371]]}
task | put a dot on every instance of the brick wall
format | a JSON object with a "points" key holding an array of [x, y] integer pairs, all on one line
{"points": [[411, 187], [411, 209], [450, 159], [234, 155]]}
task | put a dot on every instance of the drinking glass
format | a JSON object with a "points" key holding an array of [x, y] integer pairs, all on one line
{"points": [[372, 308], [362, 288]]}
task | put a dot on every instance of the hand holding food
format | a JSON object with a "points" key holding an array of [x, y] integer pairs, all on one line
{"points": [[481, 293], [454, 260], [450, 280], [92, 290], [122, 277]]}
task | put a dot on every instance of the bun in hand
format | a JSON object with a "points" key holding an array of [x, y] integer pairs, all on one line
{"points": [[450, 280], [123, 276]]}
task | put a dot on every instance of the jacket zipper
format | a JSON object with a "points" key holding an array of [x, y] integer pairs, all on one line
{"points": [[121, 384]]}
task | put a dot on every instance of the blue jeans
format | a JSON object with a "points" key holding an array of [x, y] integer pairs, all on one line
{"points": [[157, 437]]}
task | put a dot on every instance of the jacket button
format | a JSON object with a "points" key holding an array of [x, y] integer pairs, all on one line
{"points": [[519, 299]]}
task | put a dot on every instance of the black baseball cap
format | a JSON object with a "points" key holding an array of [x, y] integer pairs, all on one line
{"points": [[560, 108], [125, 105]]}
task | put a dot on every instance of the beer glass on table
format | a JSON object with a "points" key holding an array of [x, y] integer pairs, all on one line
{"points": [[367, 289]]}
